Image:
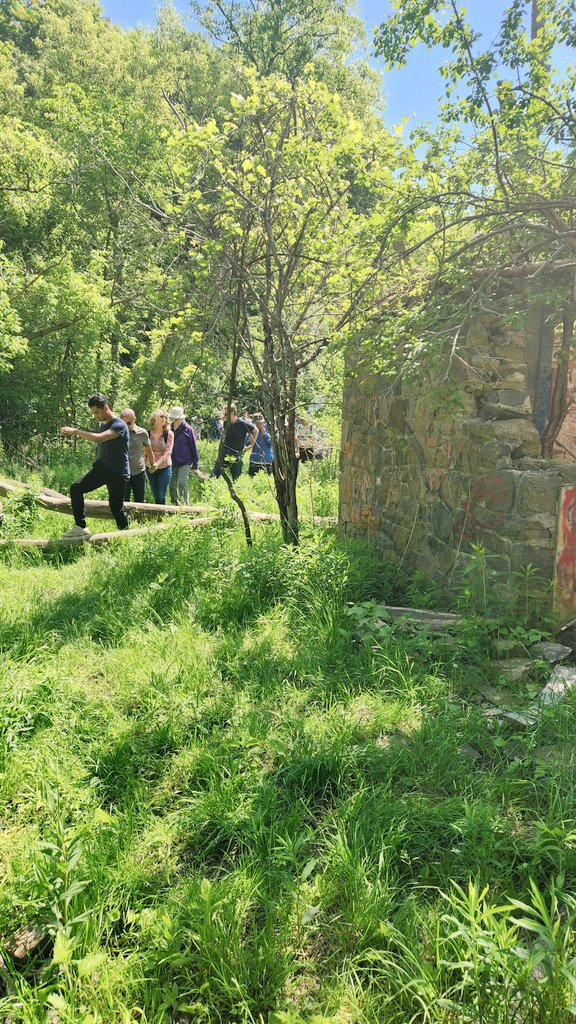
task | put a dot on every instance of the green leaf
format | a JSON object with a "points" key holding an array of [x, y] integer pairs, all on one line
{"points": [[57, 1002], [308, 869], [63, 948], [310, 914], [90, 963]]}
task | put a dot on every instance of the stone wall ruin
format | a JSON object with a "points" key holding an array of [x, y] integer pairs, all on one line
{"points": [[431, 468]]}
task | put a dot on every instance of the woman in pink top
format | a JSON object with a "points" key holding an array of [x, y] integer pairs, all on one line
{"points": [[161, 442]]}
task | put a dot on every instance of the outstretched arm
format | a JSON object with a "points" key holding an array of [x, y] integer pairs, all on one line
{"points": [[90, 435]]}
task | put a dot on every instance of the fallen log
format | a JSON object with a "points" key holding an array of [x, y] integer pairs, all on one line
{"points": [[98, 509], [382, 615], [54, 501], [419, 617], [58, 543], [8, 487], [53, 494]]}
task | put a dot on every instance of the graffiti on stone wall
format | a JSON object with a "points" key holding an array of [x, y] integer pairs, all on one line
{"points": [[491, 497]]}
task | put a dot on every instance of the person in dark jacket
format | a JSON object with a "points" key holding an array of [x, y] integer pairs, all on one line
{"points": [[217, 428], [184, 455]]}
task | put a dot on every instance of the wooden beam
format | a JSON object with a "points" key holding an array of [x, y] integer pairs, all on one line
{"points": [[58, 543], [53, 501], [94, 508]]}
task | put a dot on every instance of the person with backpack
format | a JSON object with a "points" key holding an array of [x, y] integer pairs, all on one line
{"points": [[161, 442]]}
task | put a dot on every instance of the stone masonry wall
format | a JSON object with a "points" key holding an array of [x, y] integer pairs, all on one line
{"points": [[428, 470]]}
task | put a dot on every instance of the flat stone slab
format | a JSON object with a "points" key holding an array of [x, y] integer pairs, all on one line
{"points": [[419, 617], [469, 753], [507, 647], [561, 682], [515, 669], [517, 719], [561, 754], [550, 652], [25, 941], [496, 696]]}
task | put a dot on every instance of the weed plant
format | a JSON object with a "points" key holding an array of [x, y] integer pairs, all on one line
{"points": [[223, 802]]}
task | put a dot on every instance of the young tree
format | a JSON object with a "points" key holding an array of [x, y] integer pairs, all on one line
{"points": [[284, 198]]}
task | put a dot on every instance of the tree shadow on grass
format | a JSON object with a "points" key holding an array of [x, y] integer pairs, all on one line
{"points": [[136, 762], [115, 597]]}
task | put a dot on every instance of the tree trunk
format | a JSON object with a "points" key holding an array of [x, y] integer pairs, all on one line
{"points": [[285, 477], [236, 348], [536, 20], [281, 416]]}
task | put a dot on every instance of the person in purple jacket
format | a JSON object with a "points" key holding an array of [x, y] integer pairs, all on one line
{"points": [[184, 455]]}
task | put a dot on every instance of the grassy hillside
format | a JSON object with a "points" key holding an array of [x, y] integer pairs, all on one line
{"points": [[225, 798]]}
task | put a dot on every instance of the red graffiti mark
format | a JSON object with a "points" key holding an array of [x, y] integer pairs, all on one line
{"points": [[471, 518], [493, 490], [490, 497]]}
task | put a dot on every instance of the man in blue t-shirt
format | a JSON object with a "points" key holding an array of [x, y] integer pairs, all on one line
{"points": [[239, 437], [111, 468]]}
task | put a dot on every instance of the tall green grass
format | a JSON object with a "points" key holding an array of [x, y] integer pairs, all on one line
{"points": [[221, 803]]}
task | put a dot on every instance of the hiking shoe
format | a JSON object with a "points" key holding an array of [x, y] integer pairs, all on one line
{"points": [[77, 533]]}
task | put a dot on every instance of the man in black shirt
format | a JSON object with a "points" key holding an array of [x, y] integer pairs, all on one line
{"points": [[234, 443], [111, 468]]}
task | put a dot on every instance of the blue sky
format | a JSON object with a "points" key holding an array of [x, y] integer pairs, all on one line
{"points": [[412, 92]]}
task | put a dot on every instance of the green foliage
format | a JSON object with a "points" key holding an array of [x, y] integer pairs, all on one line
{"points": [[287, 38], [101, 285], [22, 514], [219, 804], [230, 791]]}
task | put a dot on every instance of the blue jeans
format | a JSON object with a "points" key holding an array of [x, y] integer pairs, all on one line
{"points": [[159, 481]]}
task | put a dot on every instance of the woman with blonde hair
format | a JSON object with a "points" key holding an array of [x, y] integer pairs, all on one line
{"points": [[161, 442]]}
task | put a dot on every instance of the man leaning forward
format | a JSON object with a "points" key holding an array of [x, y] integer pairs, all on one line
{"points": [[111, 468]]}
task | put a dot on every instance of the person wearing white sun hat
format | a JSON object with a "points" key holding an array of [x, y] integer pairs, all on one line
{"points": [[184, 455]]}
